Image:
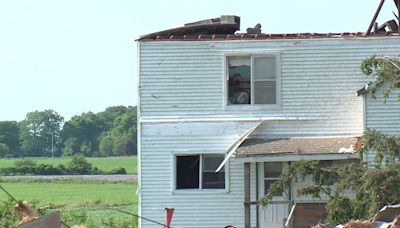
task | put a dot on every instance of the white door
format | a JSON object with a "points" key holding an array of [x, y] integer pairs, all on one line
{"points": [[272, 215]]}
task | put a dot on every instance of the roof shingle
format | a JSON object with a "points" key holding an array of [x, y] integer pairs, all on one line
{"points": [[324, 145]]}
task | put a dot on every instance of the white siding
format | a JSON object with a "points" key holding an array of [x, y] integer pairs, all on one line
{"points": [[319, 80], [194, 208], [384, 117]]}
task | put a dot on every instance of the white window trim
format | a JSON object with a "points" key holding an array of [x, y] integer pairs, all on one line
{"points": [[261, 185], [252, 54], [197, 191]]}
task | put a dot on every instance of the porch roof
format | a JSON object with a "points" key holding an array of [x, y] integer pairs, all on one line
{"points": [[299, 146]]}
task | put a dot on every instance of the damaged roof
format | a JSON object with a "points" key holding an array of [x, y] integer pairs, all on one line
{"points": [[226, 26], [323, 145]]}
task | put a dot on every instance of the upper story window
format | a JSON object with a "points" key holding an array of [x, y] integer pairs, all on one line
{"points": [[252, 80]]}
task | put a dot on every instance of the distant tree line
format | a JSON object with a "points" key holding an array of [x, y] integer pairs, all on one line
{"points": [[111, 132]]}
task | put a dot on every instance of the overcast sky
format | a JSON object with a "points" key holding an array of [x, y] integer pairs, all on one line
{"points": [[75, 56]]}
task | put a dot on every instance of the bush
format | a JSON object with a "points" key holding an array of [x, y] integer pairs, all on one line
{"points": [[119, 170], [79, 165], [4, 149], [7, 218], [8, 171], [25, 166], [47, 169]]}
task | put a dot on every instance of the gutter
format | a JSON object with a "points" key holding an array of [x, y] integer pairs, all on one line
{"points": [[170, 119]]}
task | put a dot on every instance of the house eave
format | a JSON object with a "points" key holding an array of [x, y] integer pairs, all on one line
{"points": [[297, 157]]}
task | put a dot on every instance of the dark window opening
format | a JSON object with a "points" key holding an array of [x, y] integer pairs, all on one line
{"points": [[187, 172]]}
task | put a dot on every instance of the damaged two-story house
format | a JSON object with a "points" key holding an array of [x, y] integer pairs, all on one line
{"points": [[247, 104]]}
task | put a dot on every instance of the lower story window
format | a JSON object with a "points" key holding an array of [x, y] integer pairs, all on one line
{"points": [[198, 172], [272, 171]]}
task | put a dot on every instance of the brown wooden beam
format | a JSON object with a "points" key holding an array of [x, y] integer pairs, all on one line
{"points": [[375, 16], [247, 219]]}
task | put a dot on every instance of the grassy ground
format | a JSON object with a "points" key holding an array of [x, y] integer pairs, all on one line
{"points": [[98, 217], [106, 164], [73, 194], [93, 203]]}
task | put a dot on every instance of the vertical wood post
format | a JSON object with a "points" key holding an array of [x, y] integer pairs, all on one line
{"points": [[247, 223]]}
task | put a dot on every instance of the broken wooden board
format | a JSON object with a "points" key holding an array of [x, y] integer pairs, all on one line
{"points": [[52, 220]]}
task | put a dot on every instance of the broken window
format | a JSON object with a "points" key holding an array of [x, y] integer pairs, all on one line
{"points": [[198, 172], [252, 80], [272, 171]]}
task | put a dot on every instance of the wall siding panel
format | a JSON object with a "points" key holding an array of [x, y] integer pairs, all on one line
{"points": [[194, 208], [382, 115], [319, 80]]}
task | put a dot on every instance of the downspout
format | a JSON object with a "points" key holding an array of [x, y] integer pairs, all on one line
{"points": [[364, 98], [365, 112]]}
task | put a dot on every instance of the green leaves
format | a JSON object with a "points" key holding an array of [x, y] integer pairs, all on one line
{"points": [[386, 71], [4, 149], [9, 135], [386, 147], [111, 132], [39, 132], [371, 188]]}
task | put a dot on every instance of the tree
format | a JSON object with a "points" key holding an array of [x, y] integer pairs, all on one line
{"points": [[9, 135], [71, 146], [109, 115], [372, 188], [39, 132], [81, 134], [124, 133], [111, 132], [106, 146], [4, 149], [386, 70]]}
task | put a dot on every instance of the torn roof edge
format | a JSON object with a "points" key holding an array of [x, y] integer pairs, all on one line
{"points": [[261, 36], [226, 24]]}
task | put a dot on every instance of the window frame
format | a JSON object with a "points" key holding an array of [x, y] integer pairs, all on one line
{"points": [[174, 189], [252, 54], [262, 178]]}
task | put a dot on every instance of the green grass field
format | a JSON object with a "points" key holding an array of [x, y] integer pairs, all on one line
{"points": [[73, 194], [106, 163], [93, 203]]}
